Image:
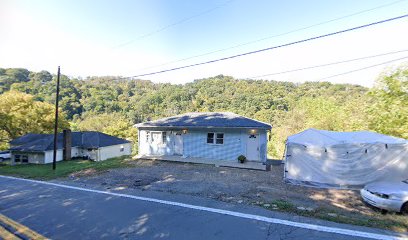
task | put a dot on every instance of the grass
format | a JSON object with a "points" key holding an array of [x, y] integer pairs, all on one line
{"points": [[390, 221], [64, 168]]}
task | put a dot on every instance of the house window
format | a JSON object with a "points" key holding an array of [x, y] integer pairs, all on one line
{"points": [[215, 138], [164, 137], [24, 158], [220, 138], [17, 158], [210, 138]]}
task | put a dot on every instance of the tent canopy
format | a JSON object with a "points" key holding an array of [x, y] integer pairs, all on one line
{"points": [[344, 159], [324, 138]]}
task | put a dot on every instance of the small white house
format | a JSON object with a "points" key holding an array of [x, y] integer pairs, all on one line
{"points": [[38, 148], [208, 135]]}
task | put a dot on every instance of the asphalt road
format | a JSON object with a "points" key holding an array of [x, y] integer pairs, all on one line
{"points": [[63, 213]]}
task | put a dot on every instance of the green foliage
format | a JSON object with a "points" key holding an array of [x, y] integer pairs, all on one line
{"points": [[113, 124], [21, 114], [100, 104], [241, 158], [64, 168], [321, 113], [389, 104]]}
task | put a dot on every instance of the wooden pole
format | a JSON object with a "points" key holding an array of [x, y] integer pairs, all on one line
{"points": [[54, 157]]}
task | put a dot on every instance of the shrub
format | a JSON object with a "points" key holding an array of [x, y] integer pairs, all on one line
{"points": [[241, 158]]}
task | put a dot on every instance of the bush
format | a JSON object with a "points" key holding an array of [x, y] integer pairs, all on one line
{"points": [[241, 158]]}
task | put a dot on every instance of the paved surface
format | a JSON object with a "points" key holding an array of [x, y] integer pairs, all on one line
{"points": [[11, 230], [58, 212]]}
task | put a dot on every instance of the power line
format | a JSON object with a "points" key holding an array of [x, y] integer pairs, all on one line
{"points": [[270, 48], [274, 36], [360, 69], [173, 24], [329, 64]]}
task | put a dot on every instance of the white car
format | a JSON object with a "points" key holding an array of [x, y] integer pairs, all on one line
{"points": [[4, 155], [392, 196]]}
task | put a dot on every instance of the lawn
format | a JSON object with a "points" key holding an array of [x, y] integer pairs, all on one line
{"points": [[391, 221], [64, 168]]}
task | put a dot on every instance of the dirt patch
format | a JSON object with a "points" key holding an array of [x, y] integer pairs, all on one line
{"points": [[83, 173], [242, 186]]}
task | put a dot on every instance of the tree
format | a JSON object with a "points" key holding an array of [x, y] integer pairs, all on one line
{"points": [[113, 124], [101, 104], [320, 113], [389, 103], [21, 114]]}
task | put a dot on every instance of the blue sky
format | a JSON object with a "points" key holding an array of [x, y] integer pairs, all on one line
{"points": [[127, 37]]}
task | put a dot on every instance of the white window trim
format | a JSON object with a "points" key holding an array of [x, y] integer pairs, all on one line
{"points": [[148, 137], [161, 137], [214, 143]]}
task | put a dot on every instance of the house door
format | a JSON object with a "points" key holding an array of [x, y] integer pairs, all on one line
{"points": [[253, 147], [178, 144]]}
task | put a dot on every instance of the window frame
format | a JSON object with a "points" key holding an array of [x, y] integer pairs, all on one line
{"points": [[148, 137], [215, 138], [164, 137], [17, 156], [160, 142]]}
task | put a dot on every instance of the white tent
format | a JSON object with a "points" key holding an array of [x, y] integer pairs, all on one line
{"points": [[344, 159]]}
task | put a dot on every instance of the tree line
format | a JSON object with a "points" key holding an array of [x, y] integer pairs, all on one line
{"points": [[111, 106]]}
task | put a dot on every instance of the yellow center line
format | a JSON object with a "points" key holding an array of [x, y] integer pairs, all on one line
{"points": [[6, 235], [21, 229]]}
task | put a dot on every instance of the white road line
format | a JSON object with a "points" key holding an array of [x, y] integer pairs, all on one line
{"points": [[314, 227]]}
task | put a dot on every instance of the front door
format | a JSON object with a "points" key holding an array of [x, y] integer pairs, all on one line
{"points": [[178, 144], [253, 147]]}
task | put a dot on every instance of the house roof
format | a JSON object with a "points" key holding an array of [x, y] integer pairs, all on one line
{"points": [[44, 142], [206, 120]]}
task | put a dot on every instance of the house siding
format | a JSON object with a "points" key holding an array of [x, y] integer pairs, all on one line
{"points": [[32, 157], [263, 142], [49, 156], [114, 151], [195, 144]]}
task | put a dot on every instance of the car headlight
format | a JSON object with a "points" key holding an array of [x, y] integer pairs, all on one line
{"points": [[381, 195]]}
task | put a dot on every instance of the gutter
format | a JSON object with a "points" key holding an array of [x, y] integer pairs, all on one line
{"points": [[198, 127]]}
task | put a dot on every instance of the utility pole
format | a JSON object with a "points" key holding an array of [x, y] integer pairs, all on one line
{"points": [[54, 157]]}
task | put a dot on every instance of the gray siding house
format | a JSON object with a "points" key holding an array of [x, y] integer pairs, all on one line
{"points": [[209, 135], [38, 148]]}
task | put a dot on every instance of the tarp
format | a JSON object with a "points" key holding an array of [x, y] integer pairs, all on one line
{"points": [[344, 159]]}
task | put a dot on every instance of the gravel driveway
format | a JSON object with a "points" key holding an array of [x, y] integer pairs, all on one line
{"points": [[241, 186], [226, 184]]}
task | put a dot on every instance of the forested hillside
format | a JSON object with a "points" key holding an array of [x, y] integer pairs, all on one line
{"points": [[100, 103]]}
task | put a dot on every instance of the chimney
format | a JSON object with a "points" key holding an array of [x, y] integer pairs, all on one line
{"points": [[67, 144]]}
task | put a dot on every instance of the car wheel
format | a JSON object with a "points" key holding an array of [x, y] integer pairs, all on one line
{"points": [[404, 208]]}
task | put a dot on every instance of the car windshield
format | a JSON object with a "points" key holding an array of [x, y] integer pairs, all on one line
{"points": [[405, 181]]}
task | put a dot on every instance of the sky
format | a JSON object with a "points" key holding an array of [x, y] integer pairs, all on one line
{"points": [[134, 37]]}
